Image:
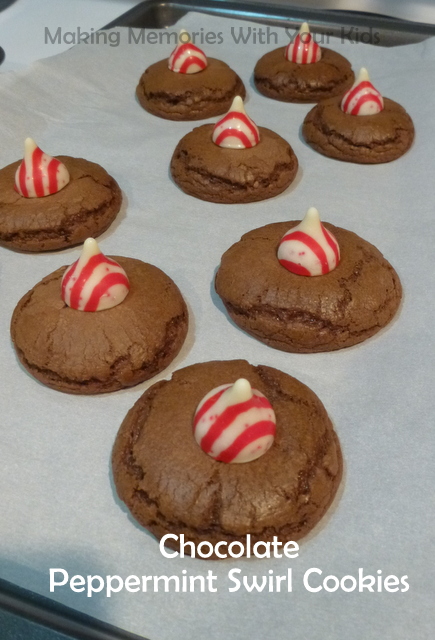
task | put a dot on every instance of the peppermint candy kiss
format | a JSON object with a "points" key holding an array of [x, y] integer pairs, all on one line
{"points": [[94, 282], [309, 249], [234, 423], [236, 130], [39, 174], [362, 99], [303, 50], [186, 57]]}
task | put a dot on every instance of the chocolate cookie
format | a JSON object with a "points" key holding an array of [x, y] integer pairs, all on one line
{"points": [[171, 486], [94, 352], [305, 314], [371, 139], [85, 207], [195, 96], [230, 176], [278, 78]]}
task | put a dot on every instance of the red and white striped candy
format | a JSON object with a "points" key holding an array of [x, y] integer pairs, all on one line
{"points": [[303, 50], [362, 99], [236, 130], [39, 174], [309, 249], [234, 423], [186, 57], [94, 282]]}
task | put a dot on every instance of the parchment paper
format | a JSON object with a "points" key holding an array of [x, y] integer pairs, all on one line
{"points": [[58, 506]]}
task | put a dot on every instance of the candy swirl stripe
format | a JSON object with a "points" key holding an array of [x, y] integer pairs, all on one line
{"points": [[303, 50], [185, 57], [36, 173], [101, 287], [254, 434], [238, 126], [361, 94], [21, 187], [249, 422], [227, 417], [315, 247], [207, 405]]}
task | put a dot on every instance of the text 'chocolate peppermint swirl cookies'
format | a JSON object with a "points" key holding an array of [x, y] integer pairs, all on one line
{"points": [[188, 86], [51, 203], [302, 71], [226, 449], [360, 126], [99, 325], [233, 161], [307, 287]]}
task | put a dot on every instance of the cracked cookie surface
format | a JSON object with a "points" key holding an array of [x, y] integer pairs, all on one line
{"points": [[307, 314], [85, 207], [171, 486], [382, 137], [94, 352], [278, 78], [230, 176], [189, 96]]}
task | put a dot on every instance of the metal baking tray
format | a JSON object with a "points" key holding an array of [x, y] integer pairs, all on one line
{"points": [[24, 614], [42, 618], [152, 14]]}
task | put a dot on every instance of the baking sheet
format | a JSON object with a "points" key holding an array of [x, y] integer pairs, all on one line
{"points": [[58, 505], [421, 11]]}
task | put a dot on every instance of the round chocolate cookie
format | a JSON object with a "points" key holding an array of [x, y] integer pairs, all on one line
{"points": [[230, 176], [373, 139], [189, 96], [171, 486], [278, 78], [304, 314], [94, 352], [85, 207]]}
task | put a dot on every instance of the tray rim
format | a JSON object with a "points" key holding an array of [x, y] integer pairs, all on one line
{"points": [[279, 11], [55, 616]]}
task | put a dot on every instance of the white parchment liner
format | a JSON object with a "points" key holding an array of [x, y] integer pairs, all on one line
{"points": [[58, 507]]}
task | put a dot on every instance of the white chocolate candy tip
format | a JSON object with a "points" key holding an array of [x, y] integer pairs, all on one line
{"points": [[311, 221], [90, 247], [304, 28], [29, 145], [182, 40], [363, 76], [94, 282], [238, 104], [312, 214], [234, 423], [240, 391], [309, 249]]}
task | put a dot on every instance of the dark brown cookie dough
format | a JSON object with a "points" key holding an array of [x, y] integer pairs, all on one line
{"points": [[305, 314], [381, 137], [171, 486], [94, 352], [278, 78], [230, 176], [189, 96], [85, 207]]}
